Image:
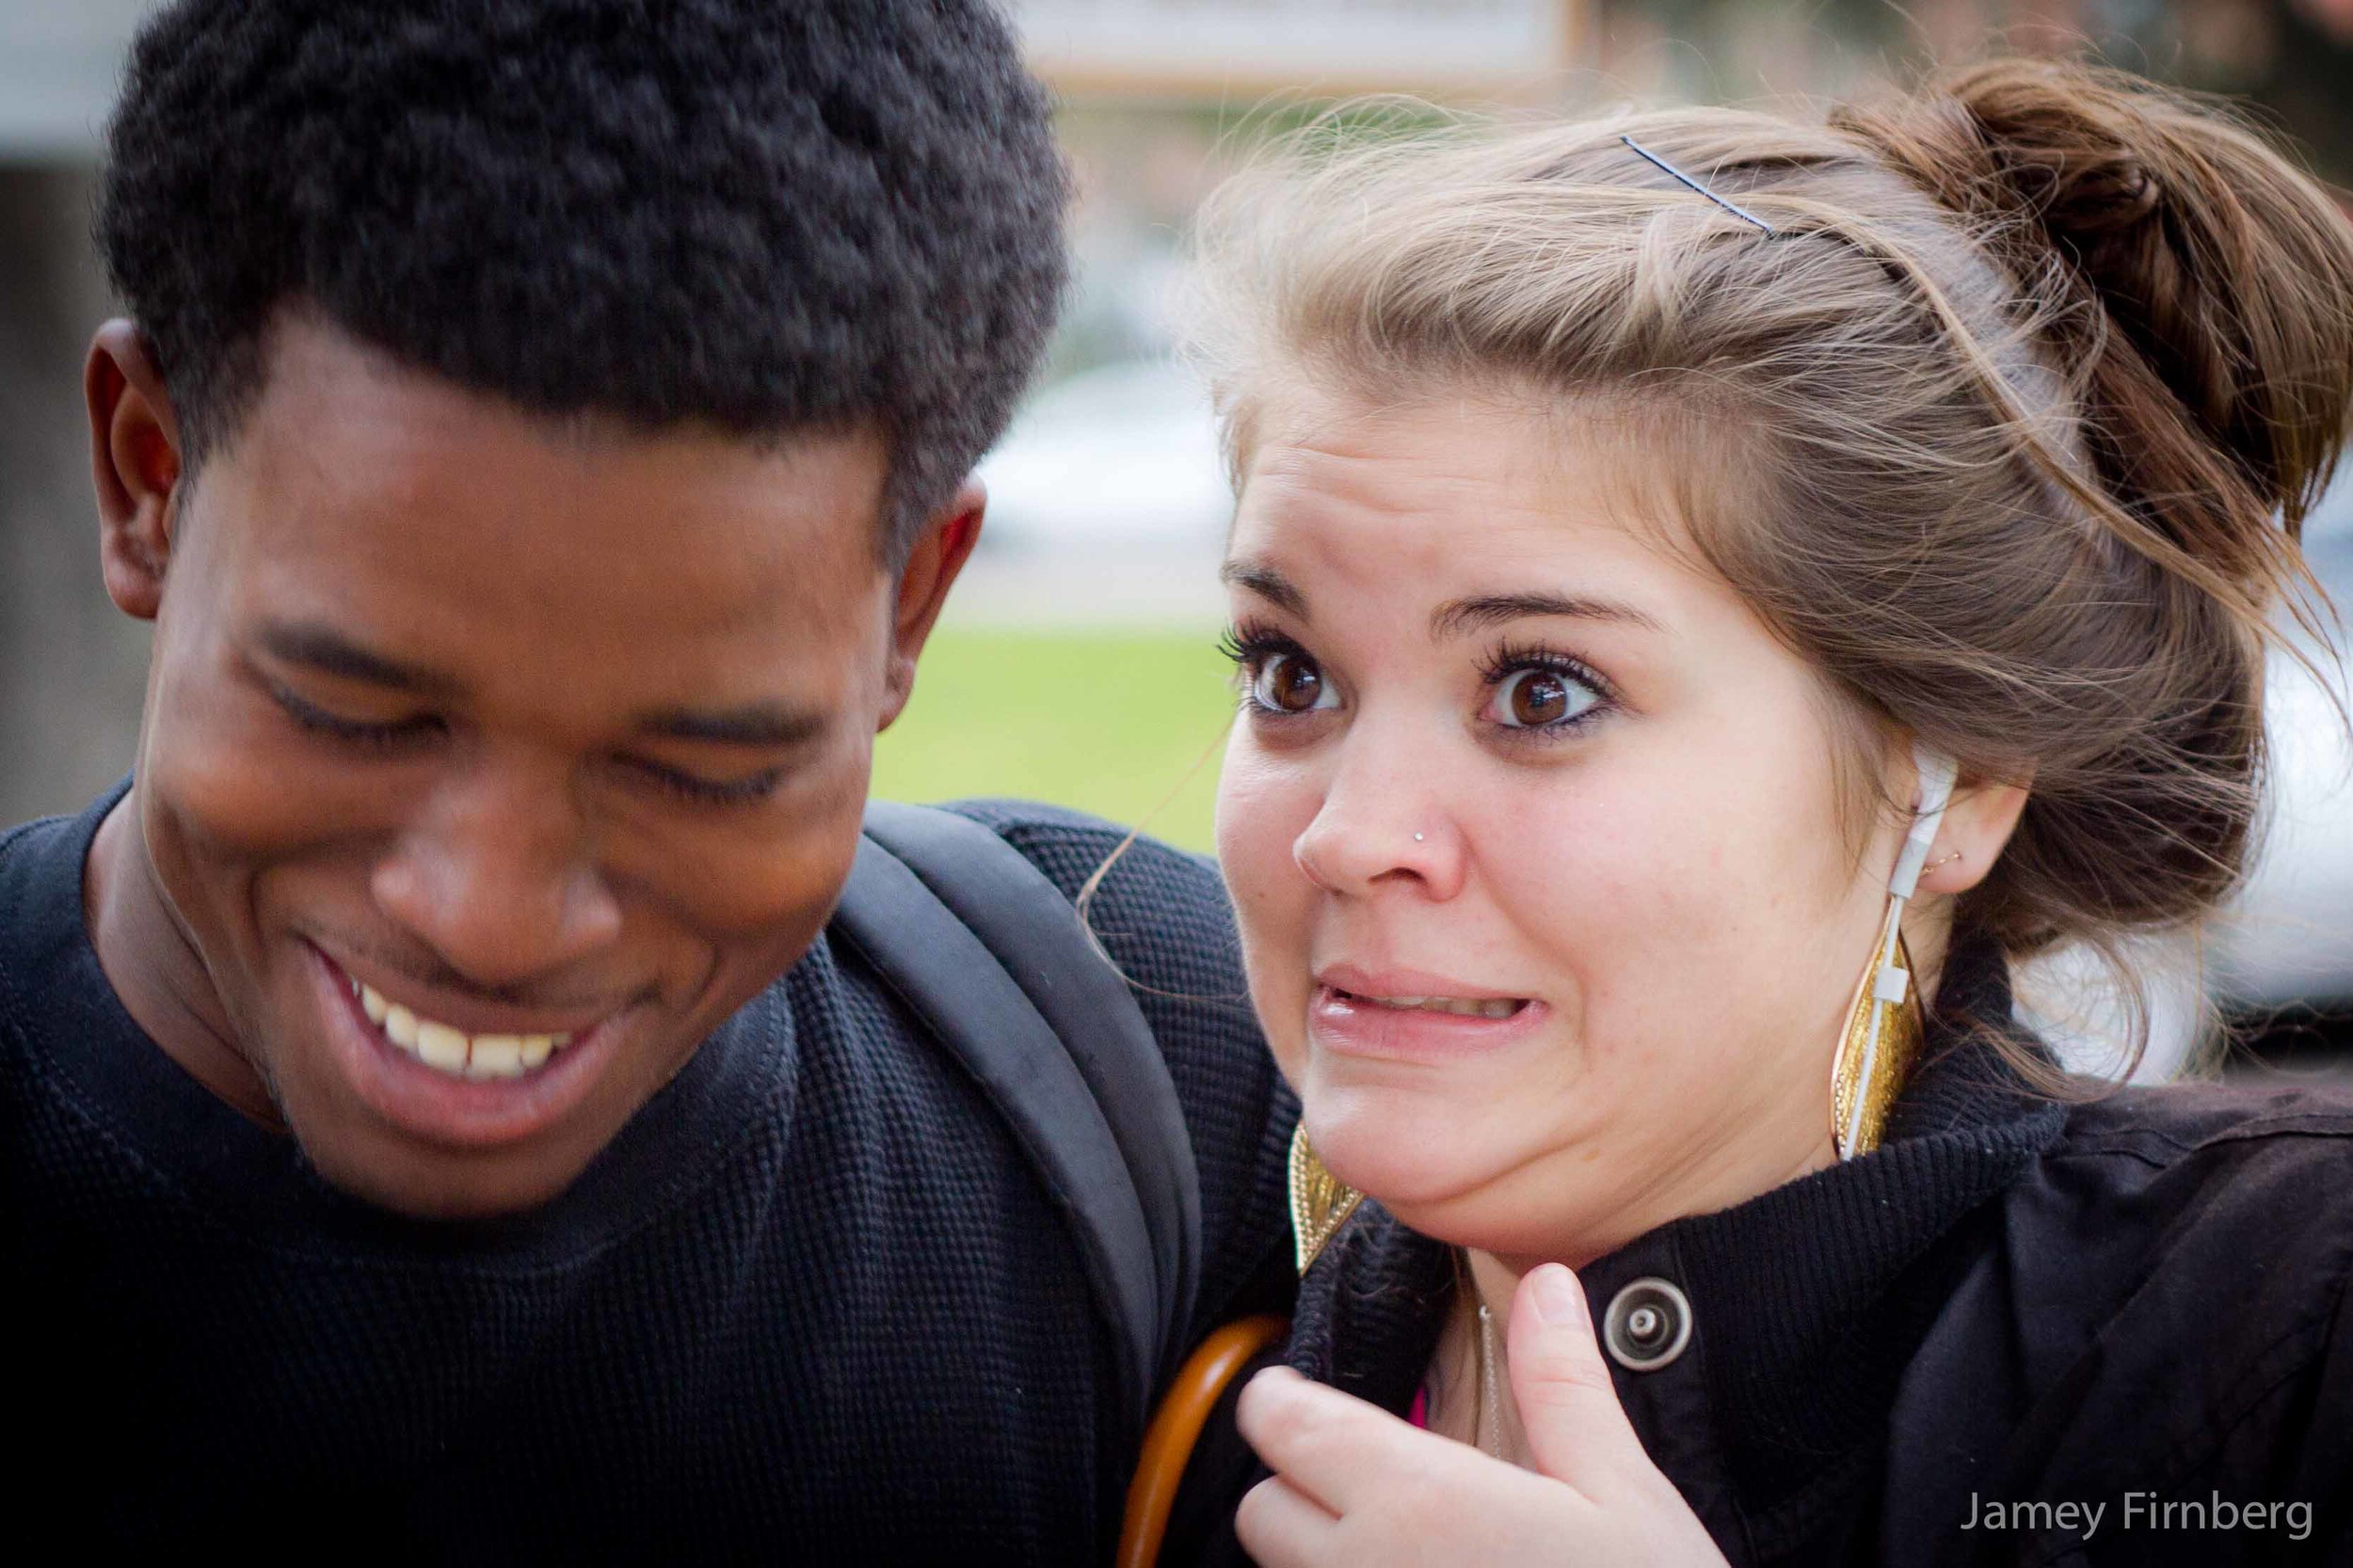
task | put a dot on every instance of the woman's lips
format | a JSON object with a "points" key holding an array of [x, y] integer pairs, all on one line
{"points": [[439, 1106], [1416, 1026]]}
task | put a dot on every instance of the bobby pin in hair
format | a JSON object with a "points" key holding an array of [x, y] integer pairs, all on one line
{"points": [[1733, 208]]}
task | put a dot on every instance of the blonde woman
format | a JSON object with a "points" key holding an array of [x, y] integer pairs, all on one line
{"points": [[1712, 592]]}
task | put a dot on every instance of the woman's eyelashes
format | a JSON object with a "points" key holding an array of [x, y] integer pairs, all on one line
{"points": [[1538, 690], [1529, 691], [1278, 677]]}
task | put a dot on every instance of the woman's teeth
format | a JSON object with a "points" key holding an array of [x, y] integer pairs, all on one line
{"points": [[453, 1051], [1468, 1007]]}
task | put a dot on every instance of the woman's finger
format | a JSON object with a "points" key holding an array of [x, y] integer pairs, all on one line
{"points": [[1334, 1448], [1576, 1430], [1281, 1527]]}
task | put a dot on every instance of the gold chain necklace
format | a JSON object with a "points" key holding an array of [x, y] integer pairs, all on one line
{"points": [[1487, 1434], [1487, 1415]]}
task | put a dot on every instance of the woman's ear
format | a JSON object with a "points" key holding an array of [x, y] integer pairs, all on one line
{"points": [[1976, 824], [135, 465]]}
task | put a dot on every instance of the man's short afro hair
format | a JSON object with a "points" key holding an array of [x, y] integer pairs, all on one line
{"points": [[767, 216]]}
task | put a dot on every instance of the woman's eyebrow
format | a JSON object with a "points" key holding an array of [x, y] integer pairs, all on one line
{"points": [[1267, 583], [1463, 616]]}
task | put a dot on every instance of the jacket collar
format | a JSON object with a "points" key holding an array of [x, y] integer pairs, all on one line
{"points": [[1807, 1301]]}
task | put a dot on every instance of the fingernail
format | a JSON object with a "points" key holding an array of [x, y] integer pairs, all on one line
{"points": [[1560, 1300], [1276, 1376]]}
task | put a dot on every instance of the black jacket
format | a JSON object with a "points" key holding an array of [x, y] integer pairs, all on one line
{"points": [[2137, 1306]]}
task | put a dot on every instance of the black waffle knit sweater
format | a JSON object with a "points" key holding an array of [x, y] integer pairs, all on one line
{"points": [[811, 1305]]}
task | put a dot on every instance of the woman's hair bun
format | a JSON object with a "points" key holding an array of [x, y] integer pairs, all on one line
{"points": [[2134, 212]]}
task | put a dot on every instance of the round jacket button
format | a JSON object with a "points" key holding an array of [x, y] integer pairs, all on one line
{"points": [[1648, 1323]]}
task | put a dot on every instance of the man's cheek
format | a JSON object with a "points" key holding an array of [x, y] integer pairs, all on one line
{"points": [[235, 775], [757, 891], [739, 873], [210, 816]]}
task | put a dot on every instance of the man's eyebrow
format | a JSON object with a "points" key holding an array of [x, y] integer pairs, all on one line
{"points": [[328, 652], [1267, 584], [754, 724], [1464, 615]]}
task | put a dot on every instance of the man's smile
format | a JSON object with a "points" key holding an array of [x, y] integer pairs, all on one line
{"points": [[508, 1050], [477, 1088]]}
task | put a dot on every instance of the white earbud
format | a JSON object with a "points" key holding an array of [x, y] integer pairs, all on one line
{"points": [[1937, 773]]}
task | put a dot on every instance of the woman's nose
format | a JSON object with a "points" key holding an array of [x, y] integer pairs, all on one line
{"points": [[1382, 824], [497, 875]]}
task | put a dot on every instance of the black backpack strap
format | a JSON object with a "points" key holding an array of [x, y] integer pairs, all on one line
{"points": [[993, 958]]}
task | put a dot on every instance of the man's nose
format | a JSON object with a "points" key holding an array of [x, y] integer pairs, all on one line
{"points": [[499, 876]]}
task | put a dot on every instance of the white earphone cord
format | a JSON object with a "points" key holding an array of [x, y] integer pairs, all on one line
{"points": [[1937, 774]]}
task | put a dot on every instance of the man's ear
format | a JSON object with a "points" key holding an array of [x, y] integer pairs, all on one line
{"points": [[939, 554], [135, 463]]}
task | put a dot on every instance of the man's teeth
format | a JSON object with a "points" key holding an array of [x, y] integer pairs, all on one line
{"points": [[1468, 1007], [454, 1051]]}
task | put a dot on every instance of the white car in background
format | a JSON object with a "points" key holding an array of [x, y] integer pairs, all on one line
{"points": [[2289, 937], [1107, 508], [1122, 456], [2277, 965]]}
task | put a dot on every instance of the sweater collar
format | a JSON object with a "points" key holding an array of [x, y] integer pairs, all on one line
{"points": [[1807, 1301]]}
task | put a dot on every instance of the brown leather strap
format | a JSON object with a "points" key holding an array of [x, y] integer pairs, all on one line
{"points": [[1168, 1443]]}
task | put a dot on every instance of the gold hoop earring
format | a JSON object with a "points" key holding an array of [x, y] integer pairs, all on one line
{"points": [[1876, 1052], [1321, 1202]]}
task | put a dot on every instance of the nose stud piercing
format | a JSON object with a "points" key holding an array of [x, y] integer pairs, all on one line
{"points": [[1418, 838]]}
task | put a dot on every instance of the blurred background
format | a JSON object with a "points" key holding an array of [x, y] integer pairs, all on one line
{"points": [[1079, 662]]}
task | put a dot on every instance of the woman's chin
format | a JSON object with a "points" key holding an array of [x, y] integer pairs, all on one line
{"points": [[1403, 1166], [1462, 1188]]}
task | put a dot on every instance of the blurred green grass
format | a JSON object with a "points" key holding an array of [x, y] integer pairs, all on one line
{"points": [[1116, 723]]}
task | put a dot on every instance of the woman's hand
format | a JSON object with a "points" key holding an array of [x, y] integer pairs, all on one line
{"points": [[1355, 1487]]}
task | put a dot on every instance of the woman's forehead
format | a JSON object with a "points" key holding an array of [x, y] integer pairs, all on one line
{"points": [[1448, 498], [1636, 460]]}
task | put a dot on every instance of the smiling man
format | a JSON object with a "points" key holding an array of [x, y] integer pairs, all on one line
{"points": [[432, 1096]]}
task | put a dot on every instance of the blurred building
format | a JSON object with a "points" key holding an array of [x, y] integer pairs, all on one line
{"points": [[70, 670], [1158, 94], [1108, 499]]}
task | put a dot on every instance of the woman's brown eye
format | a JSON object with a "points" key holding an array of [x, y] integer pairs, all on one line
{"points": [[1290, 684], [1537, 698]]}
